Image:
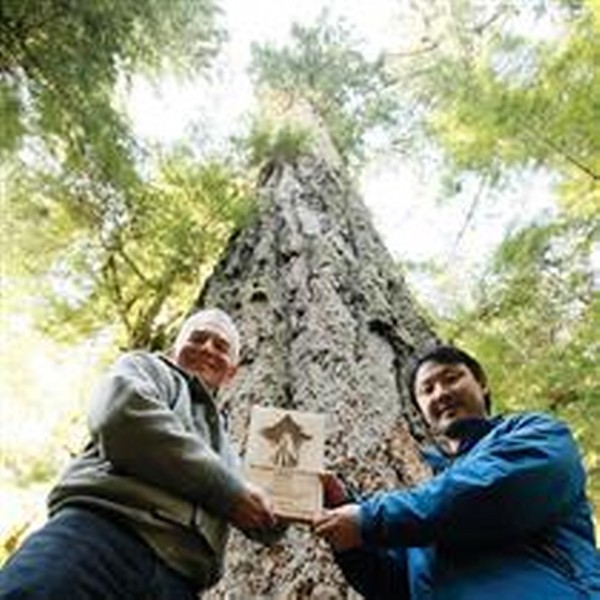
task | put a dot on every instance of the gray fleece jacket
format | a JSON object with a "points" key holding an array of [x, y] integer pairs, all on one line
{"points": [[160, 460]]}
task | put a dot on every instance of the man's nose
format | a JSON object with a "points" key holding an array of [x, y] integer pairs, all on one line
{"points": [[208, 344], [440, 391]]}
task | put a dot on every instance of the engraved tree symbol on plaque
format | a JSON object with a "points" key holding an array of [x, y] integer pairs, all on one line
{"points": [[287, 437]]}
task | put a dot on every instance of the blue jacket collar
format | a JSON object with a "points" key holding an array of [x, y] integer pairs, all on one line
{"points": [[469, 432]]}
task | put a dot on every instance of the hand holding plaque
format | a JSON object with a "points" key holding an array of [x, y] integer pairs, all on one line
{"points": [[285, 457]]}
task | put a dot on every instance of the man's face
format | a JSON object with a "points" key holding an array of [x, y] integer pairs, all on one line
{"points": [[447, 393], [206, 353]]}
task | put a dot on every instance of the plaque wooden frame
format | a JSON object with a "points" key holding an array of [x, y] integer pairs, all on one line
{"points": [[285, 455]]}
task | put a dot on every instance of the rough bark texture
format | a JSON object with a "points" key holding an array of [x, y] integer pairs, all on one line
{"points": [[327, 324]]}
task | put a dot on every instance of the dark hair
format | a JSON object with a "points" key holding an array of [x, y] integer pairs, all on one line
{"points": [[445, 354]]}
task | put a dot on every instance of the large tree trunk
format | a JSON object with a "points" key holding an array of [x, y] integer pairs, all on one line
{"points": [[327, 324]]}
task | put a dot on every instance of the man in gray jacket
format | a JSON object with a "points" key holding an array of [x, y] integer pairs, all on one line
{"points": [[143, 512]]}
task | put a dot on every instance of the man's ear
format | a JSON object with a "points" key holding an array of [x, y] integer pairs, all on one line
{"points": [[485, 387], [485, 390]]}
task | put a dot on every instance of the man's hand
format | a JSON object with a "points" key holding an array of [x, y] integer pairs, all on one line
{"points": [[340, 527], [334, 491], [252, 510]]}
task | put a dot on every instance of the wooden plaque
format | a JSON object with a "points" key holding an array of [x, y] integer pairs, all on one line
{"points": [[284, 456]]}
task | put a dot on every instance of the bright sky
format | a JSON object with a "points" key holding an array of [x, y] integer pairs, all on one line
{"points": [[403, 201]]}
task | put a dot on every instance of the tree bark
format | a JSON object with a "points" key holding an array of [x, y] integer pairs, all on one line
{"points": [[327, 324]]}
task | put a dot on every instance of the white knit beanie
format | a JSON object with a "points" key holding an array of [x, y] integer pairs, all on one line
{"points": [[216, 321]]}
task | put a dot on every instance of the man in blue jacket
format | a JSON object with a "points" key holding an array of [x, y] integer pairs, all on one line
{"points": [[504, 517]]}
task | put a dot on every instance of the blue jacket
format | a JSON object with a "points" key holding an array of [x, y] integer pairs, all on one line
{"points": [[506, 519]]}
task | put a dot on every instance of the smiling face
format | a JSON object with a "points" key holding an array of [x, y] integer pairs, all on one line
{"points": [[447, 393], [206, 352]]}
